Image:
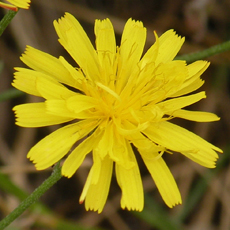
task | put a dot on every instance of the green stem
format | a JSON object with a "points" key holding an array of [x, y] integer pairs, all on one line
{"points": [[6, 20], [9, 94], [33, 197], [205, 53]]}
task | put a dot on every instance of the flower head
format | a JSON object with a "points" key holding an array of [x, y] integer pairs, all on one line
{"points": [[24, 4], [117, 99]]}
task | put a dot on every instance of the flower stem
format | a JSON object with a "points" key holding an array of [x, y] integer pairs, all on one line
{"points": [[6, 20], [9, 94], [205, 53], [33, 197]]}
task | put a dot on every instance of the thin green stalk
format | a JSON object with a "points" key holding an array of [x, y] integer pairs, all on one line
{"points": [[55, 222], [9, 94], [33, 197], [6, 20], [220, 48]]}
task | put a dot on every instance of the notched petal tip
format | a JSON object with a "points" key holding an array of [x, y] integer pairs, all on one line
{"points": [[104, 21], [132, 22], [26, 52], [67, 16], [136, 209], [67, 173], [174, 204], [93, 209]]}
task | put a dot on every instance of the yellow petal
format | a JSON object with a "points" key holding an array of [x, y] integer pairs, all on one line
{"points": [[24, 4], [95, 195], [168, 79], [25, 80], [120, 152], [124, 128], [59, 108], [97, 168], [151, 54], [105, 144], [52, 90], [47, 64], [35, 115], [169, 46], [87, 185], [196, 115], [56, 145], [151, 154], [79, 103], [146, 147], [164, 180], [193, 81], [195, 69], [178, 139], [132, 45], [188, 88], [77, 76], [8, 6], [177, 103], [106, 48], [105, 37], [76, 157], [74, 39], [130, 183], [108, 90]]}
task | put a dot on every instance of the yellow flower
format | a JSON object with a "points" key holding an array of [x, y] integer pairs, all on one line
{"points": [[24, 4], [117, 99]]}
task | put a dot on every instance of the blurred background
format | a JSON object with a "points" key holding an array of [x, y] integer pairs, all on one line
{"points": [[205, 192]]}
